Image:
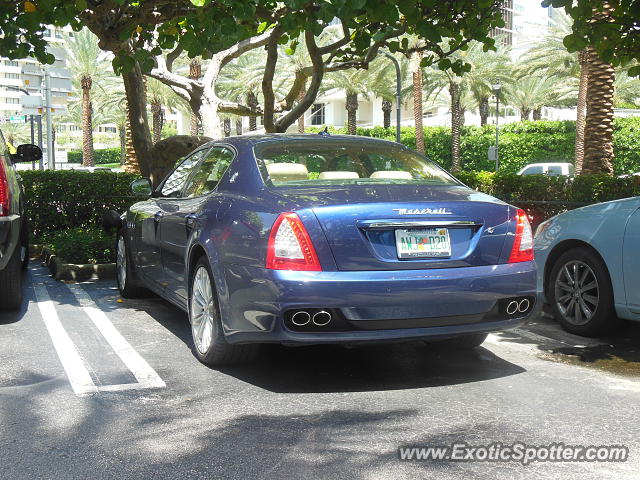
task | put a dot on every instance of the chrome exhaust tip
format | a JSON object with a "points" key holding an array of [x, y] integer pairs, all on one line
{"points": [[321, 318], [524, 305], [301, 318], [512, 307]]}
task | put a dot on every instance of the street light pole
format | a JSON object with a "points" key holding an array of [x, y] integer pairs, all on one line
{"points": [[496, 87], [47, 87], [398, 92]]}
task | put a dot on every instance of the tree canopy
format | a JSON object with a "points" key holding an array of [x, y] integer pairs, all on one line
{"points": [[141, 29], [610, 27]]}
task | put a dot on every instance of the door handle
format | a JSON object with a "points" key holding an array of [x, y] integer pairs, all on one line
{"points": [[191, 220], [159, 214]]}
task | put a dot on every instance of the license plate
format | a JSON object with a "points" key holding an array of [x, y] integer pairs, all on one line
{"points": [[431, 242]]}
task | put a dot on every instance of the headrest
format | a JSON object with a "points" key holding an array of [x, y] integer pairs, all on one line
{"points": [[399, 174], [337, 175], [286, 172]]}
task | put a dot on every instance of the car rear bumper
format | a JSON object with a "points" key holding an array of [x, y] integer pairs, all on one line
{"points": [[9, 238], [373, 306]]}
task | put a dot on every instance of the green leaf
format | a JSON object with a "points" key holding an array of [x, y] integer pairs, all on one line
{"points": [[262, 27]]}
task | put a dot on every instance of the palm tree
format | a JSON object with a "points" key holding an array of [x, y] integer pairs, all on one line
{"points": [[598, 142], [471, 90], [161, 97], [550, 56], [195, 72], [529, 93], [354, 82], [88, 64]]}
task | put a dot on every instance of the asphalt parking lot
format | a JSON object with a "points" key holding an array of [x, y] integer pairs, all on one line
{"points": [[93, 386]]}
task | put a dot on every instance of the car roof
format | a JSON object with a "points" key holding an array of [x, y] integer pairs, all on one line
{"points": [[252, 139], [545, 163]]}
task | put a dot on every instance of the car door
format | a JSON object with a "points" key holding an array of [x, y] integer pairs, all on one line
{"points": [[179, 223], [150, 213], [631, 262]]}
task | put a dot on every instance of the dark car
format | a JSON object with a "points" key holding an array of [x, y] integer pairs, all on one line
{"points": [[14, 230], [308, 239]]}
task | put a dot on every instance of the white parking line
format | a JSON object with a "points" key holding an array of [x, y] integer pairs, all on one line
{"points": [[146, 376], [78, 375]]}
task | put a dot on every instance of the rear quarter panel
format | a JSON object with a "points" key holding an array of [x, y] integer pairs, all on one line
{"points": [[602, 226]]}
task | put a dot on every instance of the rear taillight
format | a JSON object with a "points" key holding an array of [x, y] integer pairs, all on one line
{"points": [[522, 250], [5, 195], [290, 247]]}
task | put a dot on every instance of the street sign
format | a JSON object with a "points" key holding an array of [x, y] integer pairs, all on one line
{"points": [[18, 119]]}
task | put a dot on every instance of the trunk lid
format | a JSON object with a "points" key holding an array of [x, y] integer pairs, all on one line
{"points": [[367, 226]]}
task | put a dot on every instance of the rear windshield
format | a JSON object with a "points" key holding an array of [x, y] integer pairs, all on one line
{"points": [[324, 162]]}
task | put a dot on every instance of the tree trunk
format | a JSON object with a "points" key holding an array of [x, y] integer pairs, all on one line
{"points": [[416, 73], [524, 113], [227, 127], [195, 72], [352, 107], [131, 162], [483, 108], [135, 90], [537, 113], [238, 126], [457, 119], [301, 96], [88, 155], [123, 143], [156, 119], [387, 106], [211, 125], [252, 102], [581, 110], [598, 136]]}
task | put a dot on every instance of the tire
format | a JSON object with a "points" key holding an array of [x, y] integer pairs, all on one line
{"points": [[128, 283], [11, 282], [582, 311], [24, 244], [464, 342], [209, 343]]}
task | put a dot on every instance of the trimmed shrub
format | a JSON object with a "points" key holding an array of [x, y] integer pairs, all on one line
{"points": [[65, 199], [520, 143], [102, 156], [82, 245]]}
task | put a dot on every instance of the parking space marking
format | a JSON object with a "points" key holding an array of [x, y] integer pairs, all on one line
{"points": [[76, 371], [145, 375]]}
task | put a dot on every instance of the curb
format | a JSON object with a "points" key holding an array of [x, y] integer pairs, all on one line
{"points": [[73, 272]]}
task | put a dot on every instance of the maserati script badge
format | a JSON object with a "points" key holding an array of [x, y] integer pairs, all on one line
{"points": [[422, 211]]}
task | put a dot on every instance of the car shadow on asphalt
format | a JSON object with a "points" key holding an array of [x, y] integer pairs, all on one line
{"points": [[333, 368], [13, 316]]}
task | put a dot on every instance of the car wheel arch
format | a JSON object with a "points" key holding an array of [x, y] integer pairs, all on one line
{"points": [[563, 247]]}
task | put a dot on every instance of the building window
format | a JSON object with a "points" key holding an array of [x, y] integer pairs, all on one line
{"points": [[14, 76], [12, 101], [11, 63], [317, 114], [58, 33], [47, 33], [74, 128]]}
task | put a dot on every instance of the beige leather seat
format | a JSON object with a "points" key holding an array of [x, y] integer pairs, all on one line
{"points": [[397, 174], [337, 175], [287, 172]]}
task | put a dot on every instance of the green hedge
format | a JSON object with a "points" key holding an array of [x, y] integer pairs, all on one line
{"points": [[544, 196], [64, 199], [520, 143], [82, 245], [102, 156]]}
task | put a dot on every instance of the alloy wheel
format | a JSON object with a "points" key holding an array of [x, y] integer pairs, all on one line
{"points": [[576, 292], [203, 311]]}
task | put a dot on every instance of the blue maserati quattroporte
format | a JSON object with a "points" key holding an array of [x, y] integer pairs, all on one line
{"points": [[310, 239]]}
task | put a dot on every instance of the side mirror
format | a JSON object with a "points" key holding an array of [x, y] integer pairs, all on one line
{"points": [[141, 187], [27, 153]]}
